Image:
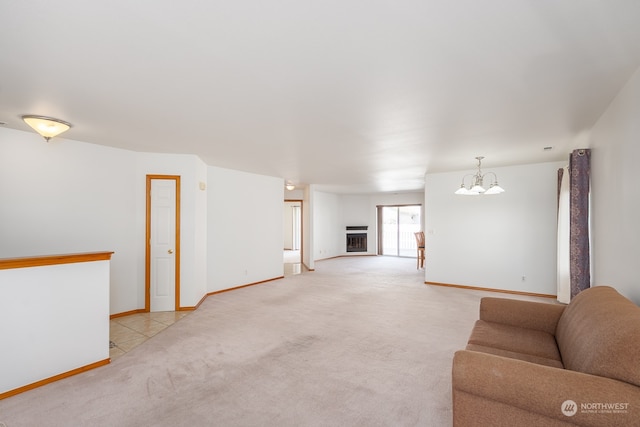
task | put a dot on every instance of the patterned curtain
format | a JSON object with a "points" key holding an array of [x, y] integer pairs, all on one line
{"points": [[579, 182]]}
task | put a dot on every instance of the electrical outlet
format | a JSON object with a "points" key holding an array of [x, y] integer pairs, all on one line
{"points": [[524, 278]]}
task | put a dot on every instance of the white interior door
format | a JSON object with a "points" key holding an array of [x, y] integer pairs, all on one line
{"points": [[163, 245]]}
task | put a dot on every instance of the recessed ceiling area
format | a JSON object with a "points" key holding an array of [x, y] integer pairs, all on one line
{"points": [[352, 96]]}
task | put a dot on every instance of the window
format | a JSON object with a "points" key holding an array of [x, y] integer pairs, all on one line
{"points": [[396, 225]]}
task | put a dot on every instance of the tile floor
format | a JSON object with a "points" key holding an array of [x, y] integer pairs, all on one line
{"points": [[292, 264], [127, 332], [291, 269]]}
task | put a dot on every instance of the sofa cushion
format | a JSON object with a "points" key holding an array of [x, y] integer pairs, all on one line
{"points": [[512, 341], [599, 334], [542, 316], [514, 355]]}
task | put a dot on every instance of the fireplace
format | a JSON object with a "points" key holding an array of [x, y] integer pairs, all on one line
{"points": [[357, 242]]}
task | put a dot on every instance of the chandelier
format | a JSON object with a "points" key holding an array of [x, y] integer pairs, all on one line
{"points": [[475, 187]]}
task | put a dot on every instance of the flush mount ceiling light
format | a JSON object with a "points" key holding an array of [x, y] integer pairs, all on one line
{"points": [[476, 186], [48, 127], [289, 186]]}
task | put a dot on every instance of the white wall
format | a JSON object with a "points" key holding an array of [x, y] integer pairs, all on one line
{"points": [[192, 263], [53, 319], [492, 241], [200, 236], [328, 230], [244, 229], [389, 199], [297, 194], [67, 196], [308, 225], [615, 198], [333, 212]]}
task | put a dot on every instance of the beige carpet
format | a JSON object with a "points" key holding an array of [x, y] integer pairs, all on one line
{"points": [[359, 342]]}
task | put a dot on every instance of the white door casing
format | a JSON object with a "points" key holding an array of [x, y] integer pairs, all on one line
{"points": [[162, 245]]}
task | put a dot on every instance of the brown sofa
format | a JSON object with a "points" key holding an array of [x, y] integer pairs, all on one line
{"points": [[545, 364]]}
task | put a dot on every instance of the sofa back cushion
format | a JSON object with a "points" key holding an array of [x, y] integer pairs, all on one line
{"points": [[599, 334]]}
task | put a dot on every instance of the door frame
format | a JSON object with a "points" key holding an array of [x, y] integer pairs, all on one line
{"points": [[301, 227], [147, 261]]}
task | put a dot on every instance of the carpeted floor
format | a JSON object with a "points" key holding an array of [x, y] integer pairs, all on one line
{"points": [[362, 341]]}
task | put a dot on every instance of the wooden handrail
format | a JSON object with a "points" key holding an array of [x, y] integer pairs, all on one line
{"points": [[38, 261]]}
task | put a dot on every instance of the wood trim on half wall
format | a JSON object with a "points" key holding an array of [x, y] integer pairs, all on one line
{"points": [[43, 260], [504, 291]]}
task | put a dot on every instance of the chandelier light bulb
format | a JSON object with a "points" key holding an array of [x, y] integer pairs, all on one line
{"points": [[475, 187]]}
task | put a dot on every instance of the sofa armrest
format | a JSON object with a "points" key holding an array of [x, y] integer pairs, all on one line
{"points": [[524, 314], [511, 387]]}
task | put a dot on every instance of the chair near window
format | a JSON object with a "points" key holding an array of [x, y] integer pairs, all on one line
{"points": [[420, 243]]}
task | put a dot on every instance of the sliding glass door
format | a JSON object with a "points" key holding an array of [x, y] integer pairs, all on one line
{"points": [[397, 225]]}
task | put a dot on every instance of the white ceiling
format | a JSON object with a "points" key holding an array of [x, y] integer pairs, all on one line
{"points": [[351, 95]]}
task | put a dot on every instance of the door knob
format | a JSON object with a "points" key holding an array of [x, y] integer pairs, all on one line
{"points": [[170, 251]]}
